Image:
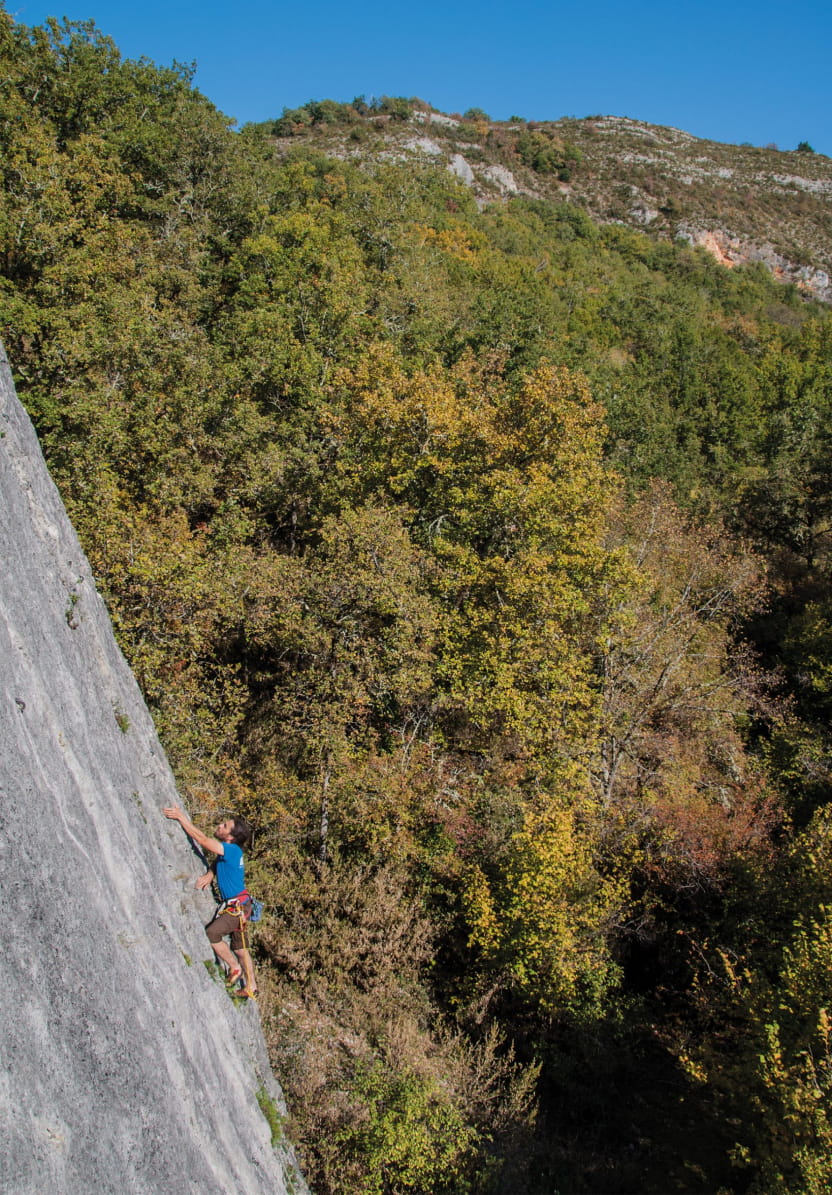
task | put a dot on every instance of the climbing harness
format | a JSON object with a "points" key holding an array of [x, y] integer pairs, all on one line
{"points": [[244, 907], [236, 906]]}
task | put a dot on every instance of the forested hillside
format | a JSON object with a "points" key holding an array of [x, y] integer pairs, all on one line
{"points": [[480, 554]]}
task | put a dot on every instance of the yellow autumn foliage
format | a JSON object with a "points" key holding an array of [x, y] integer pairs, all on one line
{"points": [[545, 916]]}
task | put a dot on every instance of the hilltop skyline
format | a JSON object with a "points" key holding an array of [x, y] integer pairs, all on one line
{"points": [[741, 75]]}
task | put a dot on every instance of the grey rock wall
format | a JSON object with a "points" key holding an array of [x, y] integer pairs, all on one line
{"points": [[125, 1067]]}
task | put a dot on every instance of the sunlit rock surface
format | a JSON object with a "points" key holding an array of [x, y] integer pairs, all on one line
{"points": [[125, 1067]]}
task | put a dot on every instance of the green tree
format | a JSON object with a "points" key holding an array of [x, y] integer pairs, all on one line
{"points": [[508, 492]]}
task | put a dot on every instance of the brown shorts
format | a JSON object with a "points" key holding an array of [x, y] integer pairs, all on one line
{"points": [[223, 925]]}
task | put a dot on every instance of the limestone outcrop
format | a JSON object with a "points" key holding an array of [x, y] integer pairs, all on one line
{"points": [[126, 1066], [734, 251]]}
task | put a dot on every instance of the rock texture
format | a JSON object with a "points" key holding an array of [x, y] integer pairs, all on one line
{"points": [[461, 168], [126, 1067]]}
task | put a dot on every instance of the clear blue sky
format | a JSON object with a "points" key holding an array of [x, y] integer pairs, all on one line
{"points": [[731, 71]]}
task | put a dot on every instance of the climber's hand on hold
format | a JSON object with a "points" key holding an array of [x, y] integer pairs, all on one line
{"points": [[206, 841]]}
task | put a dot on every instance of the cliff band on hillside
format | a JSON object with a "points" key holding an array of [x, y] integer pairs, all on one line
{"points": [[126, 1067]]}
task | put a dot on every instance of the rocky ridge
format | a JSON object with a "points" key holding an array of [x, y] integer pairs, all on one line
{"points": [[743, 204]]}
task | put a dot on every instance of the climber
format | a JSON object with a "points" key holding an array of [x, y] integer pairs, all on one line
{"points": [[230, 837]]}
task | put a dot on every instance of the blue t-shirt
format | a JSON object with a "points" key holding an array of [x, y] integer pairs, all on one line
{"points": [[229, 870]]}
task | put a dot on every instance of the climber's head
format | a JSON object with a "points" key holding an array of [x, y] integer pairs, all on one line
{"points": [[234, 829]]}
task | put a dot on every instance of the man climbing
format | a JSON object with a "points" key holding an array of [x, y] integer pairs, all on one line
{"points": [[230, 837]]}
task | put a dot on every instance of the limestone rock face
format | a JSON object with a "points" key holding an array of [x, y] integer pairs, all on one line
{"points": [[125, 1066], [733, 251], [462, 169], [503, 178]]}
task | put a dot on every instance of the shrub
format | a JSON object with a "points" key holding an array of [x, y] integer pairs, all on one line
{"points": [[314, 113], [413, 1136], [545, 154], [394, 106]]}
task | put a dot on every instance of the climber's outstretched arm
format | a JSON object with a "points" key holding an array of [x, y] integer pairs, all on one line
{"points": [[204, 840]]}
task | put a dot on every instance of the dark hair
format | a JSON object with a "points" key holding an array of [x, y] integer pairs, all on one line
{"points": [[241, 831]]}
